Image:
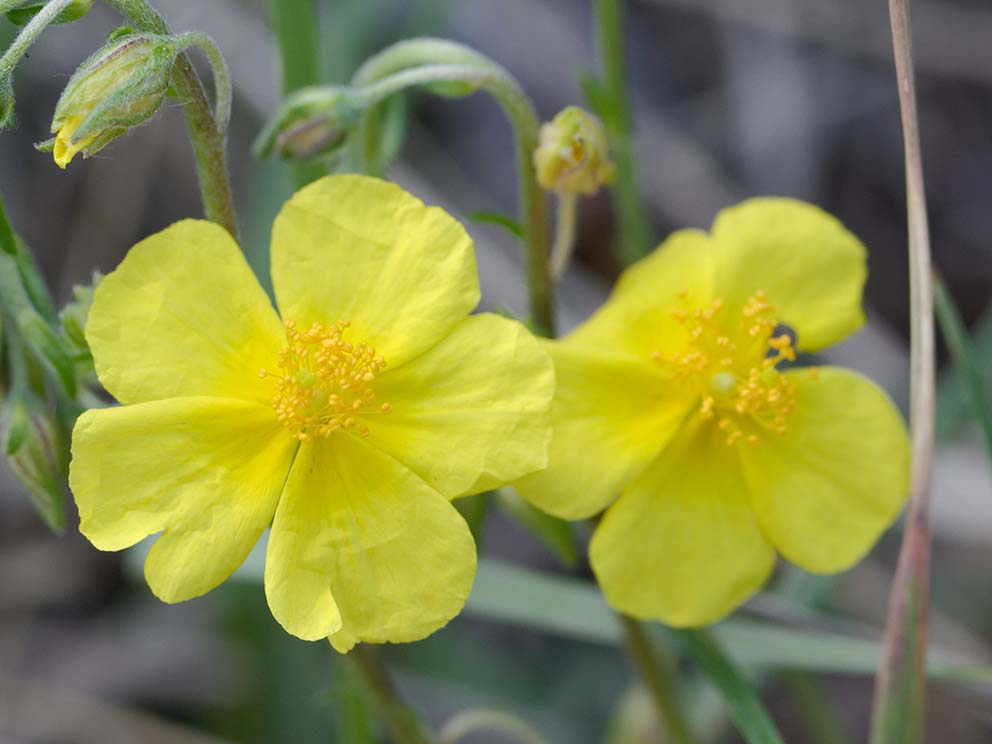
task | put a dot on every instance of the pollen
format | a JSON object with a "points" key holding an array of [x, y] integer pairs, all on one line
{"points": [[324, 383], [732, 360]]}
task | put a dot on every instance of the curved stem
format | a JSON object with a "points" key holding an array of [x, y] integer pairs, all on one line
{"points": [[656, 677], [565, 219], [520, 112], [473, 721], [403, 723], [209, 141], [29, 35], [222, 75], [900, 688]]}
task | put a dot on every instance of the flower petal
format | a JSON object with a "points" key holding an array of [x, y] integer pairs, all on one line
{"points": [[359, 249], [826, 489], [207, 471], [682, 544], [637, 318], [362, 549], [472, 413], [157, 329], [812, 268], [610, 417]]}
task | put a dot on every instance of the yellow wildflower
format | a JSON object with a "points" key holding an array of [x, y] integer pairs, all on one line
{"points": [[673, 397], [348, 425]]}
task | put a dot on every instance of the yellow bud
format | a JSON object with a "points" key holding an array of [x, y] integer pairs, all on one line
{"points": [[572, 156]]}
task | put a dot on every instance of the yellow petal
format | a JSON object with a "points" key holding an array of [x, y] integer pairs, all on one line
{"points": [[472, 413], [812, 269], [637, 318], [363, 250], [826, 489], [362, 549], [610, 417], [207, 471], [682, 544], [183, 315]]}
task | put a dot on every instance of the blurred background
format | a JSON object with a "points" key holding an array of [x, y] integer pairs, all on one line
{"points": [[731, 98]]}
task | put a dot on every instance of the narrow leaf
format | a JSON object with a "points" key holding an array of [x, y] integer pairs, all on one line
{"points": [[495, 218]]}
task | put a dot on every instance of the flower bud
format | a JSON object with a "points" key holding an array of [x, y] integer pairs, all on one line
{"points": [[572, 156], [119, 87], [40, 461], [312, 121]]}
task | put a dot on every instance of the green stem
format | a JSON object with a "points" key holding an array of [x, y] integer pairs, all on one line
{"points": [[634, 229], [208, 139], [222, 75], [403, 723], [295, 26], [963, 355], [655, 674], [819, 718], [564, 243], [424, 61], [900, 688], [29, 34]]}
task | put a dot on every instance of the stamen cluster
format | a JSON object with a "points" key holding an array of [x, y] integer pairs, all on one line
{"points": [[734, 369], [324, 382]]}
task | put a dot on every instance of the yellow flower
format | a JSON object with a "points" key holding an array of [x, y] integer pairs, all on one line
{"points": [[673, 397], [348, 426]]}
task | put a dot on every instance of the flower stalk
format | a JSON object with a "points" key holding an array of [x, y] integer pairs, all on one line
{"points": [[421, 62], [404, 726], [208, 137], [900, 687]]}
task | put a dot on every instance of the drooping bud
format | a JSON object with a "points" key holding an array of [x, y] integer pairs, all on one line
{"points": [[118, 88], [572, 157], [40, 459], [312, 121]]}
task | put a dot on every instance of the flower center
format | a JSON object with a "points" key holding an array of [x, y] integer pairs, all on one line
{"points": [[733, 367], [324, 383]]}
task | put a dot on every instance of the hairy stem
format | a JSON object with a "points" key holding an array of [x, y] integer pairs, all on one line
{"points": [[424, 61], [209, 140], [900, 688], [29, 34]]}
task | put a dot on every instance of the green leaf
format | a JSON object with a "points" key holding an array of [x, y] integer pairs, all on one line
{"points": [[555, 534], [965, 361], [746, 708], [495, 218]]}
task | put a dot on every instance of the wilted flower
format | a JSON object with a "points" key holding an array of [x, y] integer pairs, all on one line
{"points": [[348, 426], [572, 156], [678, 396]]}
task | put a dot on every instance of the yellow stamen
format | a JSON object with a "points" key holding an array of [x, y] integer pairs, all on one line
{"points": [[734, 367], [324, 382]]}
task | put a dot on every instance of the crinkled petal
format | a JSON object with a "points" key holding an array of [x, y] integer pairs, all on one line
{"points": [[610, 417], [637, 318], [206, 471], [812, 268], [183, 315], [359, 249], [682, 544], [837, 478], [362, 549], [472, 413]]}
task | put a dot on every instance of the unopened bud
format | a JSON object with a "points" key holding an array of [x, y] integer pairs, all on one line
{"points": [[572, 156], [118, 88], [40, 461], [312, 121]]}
